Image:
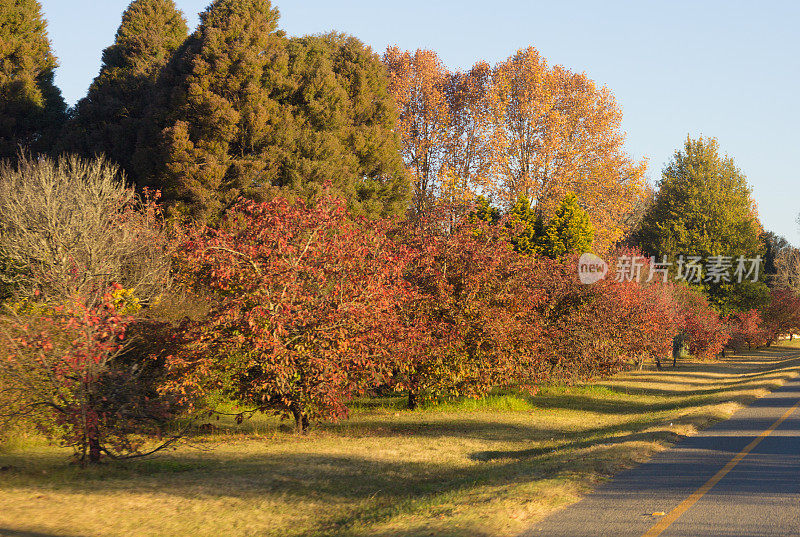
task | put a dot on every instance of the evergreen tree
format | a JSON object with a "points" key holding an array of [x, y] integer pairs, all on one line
{"points": [[570, 231], [227, 82], [255, 113], [703, 208], [31, 107], [116, 118], [345, 121], [484, 211], [526, 227]]}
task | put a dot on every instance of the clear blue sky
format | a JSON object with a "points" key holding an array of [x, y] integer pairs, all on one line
{"points": [[728, 69]]}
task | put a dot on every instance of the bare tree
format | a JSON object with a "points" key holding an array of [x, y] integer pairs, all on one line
{"points": [[71, 227], [787, 264]]}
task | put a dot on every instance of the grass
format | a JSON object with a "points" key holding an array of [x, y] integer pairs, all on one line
{"points": [[488, 467]]}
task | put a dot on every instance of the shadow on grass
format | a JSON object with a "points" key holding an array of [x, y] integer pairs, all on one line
{"points": [[377, 490]]}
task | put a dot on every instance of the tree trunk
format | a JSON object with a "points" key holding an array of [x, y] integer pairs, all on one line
{"points": [[300, 419], [94, 445], [413, 401]]}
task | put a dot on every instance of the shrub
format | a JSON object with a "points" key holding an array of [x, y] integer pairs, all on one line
{"points": [[705, 333], [305, 304], [463, 317], [746, 328], [64, 369]]}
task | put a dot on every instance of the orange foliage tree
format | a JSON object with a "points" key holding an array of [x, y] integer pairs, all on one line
{"points": [[519, 128]]}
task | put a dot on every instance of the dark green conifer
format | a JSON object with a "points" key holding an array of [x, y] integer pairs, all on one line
{"points": [[117, 116], [31, 107]]}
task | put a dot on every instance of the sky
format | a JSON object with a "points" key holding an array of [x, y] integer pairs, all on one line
{"points": [[728, 69]]}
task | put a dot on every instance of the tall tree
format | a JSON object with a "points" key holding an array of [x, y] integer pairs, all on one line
{"points": [[419, 82], [255, 113], [226, 83], [31, 107], [703, 208], [344, 122], [115, 117], [555, 131]]}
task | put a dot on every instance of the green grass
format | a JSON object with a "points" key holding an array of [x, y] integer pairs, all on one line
{"points": [[486, 467]]}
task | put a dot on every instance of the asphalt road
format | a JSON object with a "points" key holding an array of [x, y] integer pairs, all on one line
{"points": [[740, 477]]}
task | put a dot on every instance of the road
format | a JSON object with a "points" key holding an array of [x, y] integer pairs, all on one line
{"points": [[738, 478]]}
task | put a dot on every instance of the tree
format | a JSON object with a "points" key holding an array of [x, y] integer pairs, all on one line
{"points": [[781, 314], [418, 83], [256, 114], [31, 107], [64, 369], [307, 299], [555, 131], [462, 322], [115, 119], [787, 265], [526, 227], [70, 227], [345, 125], [703, 208], [569, 231], [703, 331], [225, 85], [746, 328], [774, 245]]}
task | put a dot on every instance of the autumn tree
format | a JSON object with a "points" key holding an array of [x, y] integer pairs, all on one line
{"points": [[787, 267], [71, 227], [704, 208], [31, 107], [463, 321], [116, 118], [307, 299], [467, 156], [781, 314], [418, 83], [555, 131]]}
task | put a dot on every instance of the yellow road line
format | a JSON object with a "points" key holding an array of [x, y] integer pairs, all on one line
{"points": [[684, 506]]}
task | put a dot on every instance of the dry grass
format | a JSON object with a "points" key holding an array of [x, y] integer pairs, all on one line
{"points": [[477, 468]]}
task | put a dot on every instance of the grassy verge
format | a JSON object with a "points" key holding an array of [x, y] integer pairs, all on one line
{"points": [[490, 467]]}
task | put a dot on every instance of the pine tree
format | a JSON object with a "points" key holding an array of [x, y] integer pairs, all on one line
{"points": [[570, 231], [31, 107], [228, 83], [526, 225], [255, 113], [116, 118], [345, 126]]}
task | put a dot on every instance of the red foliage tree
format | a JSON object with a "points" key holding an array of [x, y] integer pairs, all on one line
{"points": [[307, 299], [64, 368], [590, 330], [746, 328], [781, 315], [705, 333], [464, 319]]}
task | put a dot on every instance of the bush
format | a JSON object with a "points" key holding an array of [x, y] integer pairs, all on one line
{"points": [[704, 332], [64, 368], [305, 305], [463, 319], [746, 328], [70, 227]]}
